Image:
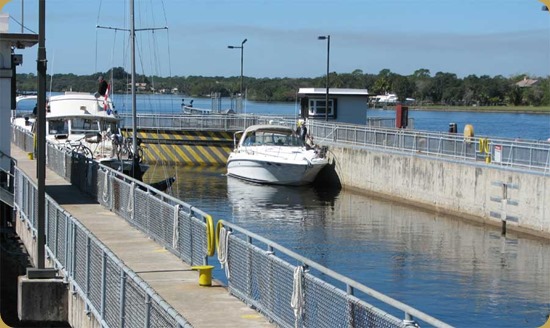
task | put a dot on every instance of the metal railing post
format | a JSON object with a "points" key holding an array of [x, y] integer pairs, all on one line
{"points": [[87, 287], [122, 299], [103, 284]]}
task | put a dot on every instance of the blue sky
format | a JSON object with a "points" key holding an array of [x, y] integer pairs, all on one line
{"points": [[492, 37]]}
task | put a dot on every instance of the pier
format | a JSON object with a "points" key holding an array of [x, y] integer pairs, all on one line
{"points": [[164, 273]]}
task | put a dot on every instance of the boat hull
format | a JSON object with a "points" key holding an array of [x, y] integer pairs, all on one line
{"points": [[124, 166], [273, 172]]}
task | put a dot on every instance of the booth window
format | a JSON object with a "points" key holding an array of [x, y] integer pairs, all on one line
{"points": [[317, 108]]}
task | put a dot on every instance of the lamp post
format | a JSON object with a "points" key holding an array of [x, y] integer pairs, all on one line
{"points": [[326, 37], [242, 48]]}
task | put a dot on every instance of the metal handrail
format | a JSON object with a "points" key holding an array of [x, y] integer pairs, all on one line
{"points": [[520, 152], [350, 284], [10, 173], [128, 272]]}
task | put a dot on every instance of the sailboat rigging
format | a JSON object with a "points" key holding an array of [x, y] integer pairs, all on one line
{"points": [[135, 171]]}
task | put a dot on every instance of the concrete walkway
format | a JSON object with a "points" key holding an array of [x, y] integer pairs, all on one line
{"points": [[171, 278]]}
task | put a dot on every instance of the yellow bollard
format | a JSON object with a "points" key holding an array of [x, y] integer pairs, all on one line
{"points": [[205, 274], [547, 324], [31, 156]]}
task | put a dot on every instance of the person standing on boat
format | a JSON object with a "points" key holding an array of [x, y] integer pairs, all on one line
{"points": [[302, 130], [102, 90]]}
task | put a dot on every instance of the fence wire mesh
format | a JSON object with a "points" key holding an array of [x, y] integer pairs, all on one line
{"points": [[265, 281], [525, 154], [112, 292], [135, 304], [81, 270], [95, 276]]}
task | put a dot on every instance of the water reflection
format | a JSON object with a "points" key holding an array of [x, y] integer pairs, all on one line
{"points": [[251, 201], [465, 274]]}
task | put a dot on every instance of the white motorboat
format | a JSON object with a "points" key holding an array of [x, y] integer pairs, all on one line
{"points": [[78, 119], [84, 123], [274, 154]]}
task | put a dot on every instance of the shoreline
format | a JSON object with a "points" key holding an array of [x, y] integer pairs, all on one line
{"points": [[477, 110], [542, 111]]}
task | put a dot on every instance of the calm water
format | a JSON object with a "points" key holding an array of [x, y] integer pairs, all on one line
{"points": [[506, 125], [464, 274]]}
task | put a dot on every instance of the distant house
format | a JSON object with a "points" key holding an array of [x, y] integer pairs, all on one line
{"points": [[526, 82], [344, 105], [139, 86]]}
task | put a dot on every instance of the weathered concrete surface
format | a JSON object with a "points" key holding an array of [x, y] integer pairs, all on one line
{"points": [[78, 317], [42, 300], [462, 189], [170, 277]]}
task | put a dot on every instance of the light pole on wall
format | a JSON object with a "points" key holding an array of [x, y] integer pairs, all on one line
{"points": [[326, 37], [242, 50]]}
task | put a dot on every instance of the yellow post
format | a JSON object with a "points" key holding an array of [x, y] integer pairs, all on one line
{"points": [[205, 274], [547, 324], [3, 324], [31, 156]]}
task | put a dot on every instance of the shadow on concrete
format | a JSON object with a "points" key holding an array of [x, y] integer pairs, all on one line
{"points": [[66, 194], [14, 261]]}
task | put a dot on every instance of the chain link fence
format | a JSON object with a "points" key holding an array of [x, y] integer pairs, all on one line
{"points": [[112, 292], [265, 279], [526, 155]]}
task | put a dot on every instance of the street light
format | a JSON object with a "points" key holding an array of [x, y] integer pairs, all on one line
{"points": [[242, 48], [326, 37]]}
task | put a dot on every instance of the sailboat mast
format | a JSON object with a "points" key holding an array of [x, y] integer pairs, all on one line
{"points": [[40, 136], [134, 112]]}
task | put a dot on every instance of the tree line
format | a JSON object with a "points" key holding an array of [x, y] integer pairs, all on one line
{"points": [[427, 89]]}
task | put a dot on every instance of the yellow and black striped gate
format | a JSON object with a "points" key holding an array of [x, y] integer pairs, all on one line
{"points": [[186, 147]]}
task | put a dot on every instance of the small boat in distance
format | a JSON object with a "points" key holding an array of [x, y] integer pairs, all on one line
{"points": [[189, 109], [274, 154]]}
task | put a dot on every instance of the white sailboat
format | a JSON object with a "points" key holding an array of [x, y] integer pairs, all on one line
{"points": [[135, 168]]}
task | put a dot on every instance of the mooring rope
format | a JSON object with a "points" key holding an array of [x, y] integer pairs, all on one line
{"points": [[297, 300], [176, 232], [131, 196], [106, 187], [223, 250]]}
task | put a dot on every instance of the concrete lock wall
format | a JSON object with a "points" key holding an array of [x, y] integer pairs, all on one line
{"points": [[462, 189]]}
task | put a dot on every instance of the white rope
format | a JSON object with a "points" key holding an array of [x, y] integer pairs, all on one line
{"points": [[176, 232], [297, 300], [106, 187], [130, 207], [223, 250]]}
